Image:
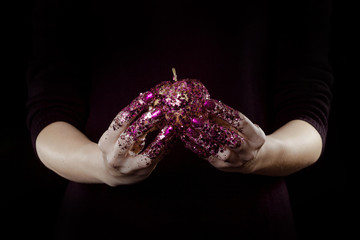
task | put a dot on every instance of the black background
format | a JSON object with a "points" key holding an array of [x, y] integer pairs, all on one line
{"points": [[323, 195]]}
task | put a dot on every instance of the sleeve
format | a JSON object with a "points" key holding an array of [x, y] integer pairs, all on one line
{"points": [[58, 86], [303, 74]]}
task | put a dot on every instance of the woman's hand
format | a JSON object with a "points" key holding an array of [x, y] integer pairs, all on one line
{"points": [[228, 139], [232, 143], [117, 158], [122, 144]]}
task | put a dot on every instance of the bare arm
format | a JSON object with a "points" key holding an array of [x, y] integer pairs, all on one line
{"points": [[292, 147], [68, 152]]}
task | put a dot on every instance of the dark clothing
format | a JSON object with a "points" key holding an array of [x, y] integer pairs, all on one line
{"points": [[267, 59]]}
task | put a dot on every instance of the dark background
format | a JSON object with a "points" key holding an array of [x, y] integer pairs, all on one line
{"points": [[323, 195]]}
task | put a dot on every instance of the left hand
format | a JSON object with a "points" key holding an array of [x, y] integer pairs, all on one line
{"points": [[122, 145], [228, 139]]}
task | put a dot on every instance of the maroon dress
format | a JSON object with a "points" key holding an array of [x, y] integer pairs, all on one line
{"points": [[267, 59]]}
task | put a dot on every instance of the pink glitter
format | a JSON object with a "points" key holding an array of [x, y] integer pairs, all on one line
{"points": [[180, 109], [181, 101]]}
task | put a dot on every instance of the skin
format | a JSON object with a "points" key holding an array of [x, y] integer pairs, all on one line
{"points": [[117, 160], [289, 149]]}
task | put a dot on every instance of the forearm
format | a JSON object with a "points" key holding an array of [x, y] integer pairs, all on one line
{"points": [[291, 148], [65, 150]]}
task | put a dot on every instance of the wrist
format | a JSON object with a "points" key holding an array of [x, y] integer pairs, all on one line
{"points": [[291, 148], [268, 160], [92, 166]]}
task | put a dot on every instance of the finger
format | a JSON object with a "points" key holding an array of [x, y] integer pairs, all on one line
{"points": [[157, 149], [123, 118], [224, 112], [234, 118], [220, 160], [217, 132], [202, 145], [139, 128], [190, 143], [130, 112]]}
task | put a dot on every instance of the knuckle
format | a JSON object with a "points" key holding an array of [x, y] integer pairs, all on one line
{"points": [[112, 163], [144, 162], [249, 156], [260, 140], [125, 170], [244, 157], [224, 154], [245, 123], [262, 135], [102, 146]]}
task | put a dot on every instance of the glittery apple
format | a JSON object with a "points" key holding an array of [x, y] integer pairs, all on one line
{"points": [[182, 109], [181, 101]]}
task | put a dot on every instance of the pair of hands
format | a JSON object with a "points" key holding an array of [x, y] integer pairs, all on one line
{"points": [[228, 140]]}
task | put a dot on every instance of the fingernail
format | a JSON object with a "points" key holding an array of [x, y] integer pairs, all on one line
{"points": [[149, 96], [168, 131], [223, 154], [156, 114], [197, 121], [210, 105]]}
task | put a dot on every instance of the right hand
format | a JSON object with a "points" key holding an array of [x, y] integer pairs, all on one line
{"points": [[122, 144]]}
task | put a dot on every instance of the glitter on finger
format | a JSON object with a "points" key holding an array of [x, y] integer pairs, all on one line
{"points": [[218, 109]]}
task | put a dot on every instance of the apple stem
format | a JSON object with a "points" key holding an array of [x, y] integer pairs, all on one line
{"points": [[174, 74]]}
